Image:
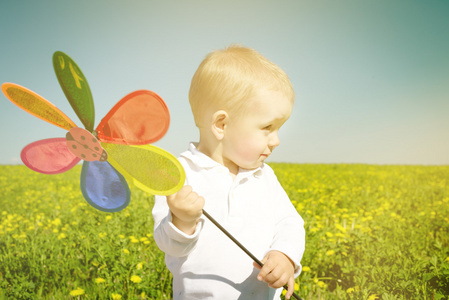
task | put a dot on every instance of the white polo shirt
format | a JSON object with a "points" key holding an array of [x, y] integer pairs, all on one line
{"points": [[254, 208]]}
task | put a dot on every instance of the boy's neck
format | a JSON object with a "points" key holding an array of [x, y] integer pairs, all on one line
{"points": [[215, 153]]}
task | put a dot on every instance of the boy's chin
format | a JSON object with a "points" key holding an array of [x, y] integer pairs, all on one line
{"points": [[253, 165]]}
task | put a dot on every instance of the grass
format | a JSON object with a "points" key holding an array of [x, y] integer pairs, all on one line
{"points": [[373, 232]]}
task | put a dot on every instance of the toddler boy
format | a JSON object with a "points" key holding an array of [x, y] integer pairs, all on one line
{"points": [[239, 101]]}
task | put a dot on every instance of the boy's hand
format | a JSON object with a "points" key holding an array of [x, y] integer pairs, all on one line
{"points": [[186, 208], [277, 271]]}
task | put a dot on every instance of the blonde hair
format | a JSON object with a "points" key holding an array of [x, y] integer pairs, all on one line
{"points": [[227, 78]]}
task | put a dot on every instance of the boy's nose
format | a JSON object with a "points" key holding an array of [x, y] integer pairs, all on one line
{"points": [[274, 140]]}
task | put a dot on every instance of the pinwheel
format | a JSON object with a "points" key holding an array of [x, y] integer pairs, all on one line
{"points": [[117, 149]]}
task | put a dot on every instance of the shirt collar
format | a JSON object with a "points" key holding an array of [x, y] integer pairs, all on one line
{"points": [[244, 173], [199, 158], [203, 161]]}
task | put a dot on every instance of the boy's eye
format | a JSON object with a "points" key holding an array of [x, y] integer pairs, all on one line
{"points": [[267, 127]]}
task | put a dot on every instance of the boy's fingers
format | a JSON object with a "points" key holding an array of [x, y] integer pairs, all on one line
{"points": [[184, 197], [291, 288], [256, 265], [182, 192], [265, 269], [171, 197]]}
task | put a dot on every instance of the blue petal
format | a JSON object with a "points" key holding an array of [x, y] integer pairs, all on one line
{"points": [[103, 187]]}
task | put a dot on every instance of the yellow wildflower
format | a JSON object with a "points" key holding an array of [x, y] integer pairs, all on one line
{"points": [[341, 228], [136, 279], [116, 296], [306, 269], [330, 252], [99, 280], [126, 251], [77, 292], [350, 290], [56, 222], [373, 297], [61, 236]]}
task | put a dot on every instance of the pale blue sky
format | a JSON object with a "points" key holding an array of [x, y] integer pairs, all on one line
{"points": [[371, 77]]}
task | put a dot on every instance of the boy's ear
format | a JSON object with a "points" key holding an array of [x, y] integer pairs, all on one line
{"points": [[219, 121]]}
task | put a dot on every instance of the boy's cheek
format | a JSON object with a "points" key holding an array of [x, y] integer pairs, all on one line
{"points": [[247, 154]]}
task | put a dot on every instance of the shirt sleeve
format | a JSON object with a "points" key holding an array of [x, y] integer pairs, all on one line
{"points": [[289, 237], [168, 237]]}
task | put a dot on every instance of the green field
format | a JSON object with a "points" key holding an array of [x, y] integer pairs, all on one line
{"points": [[373, 232]]}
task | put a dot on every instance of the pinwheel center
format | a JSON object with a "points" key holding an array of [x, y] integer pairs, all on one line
{"points": [[85, 145]]}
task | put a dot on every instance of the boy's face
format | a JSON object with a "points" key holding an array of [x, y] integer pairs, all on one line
{"points": [[251, 138]]}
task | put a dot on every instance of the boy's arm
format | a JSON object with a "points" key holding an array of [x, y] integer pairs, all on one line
{"points": [[174, 241], [282, 263], [289, 237]]}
